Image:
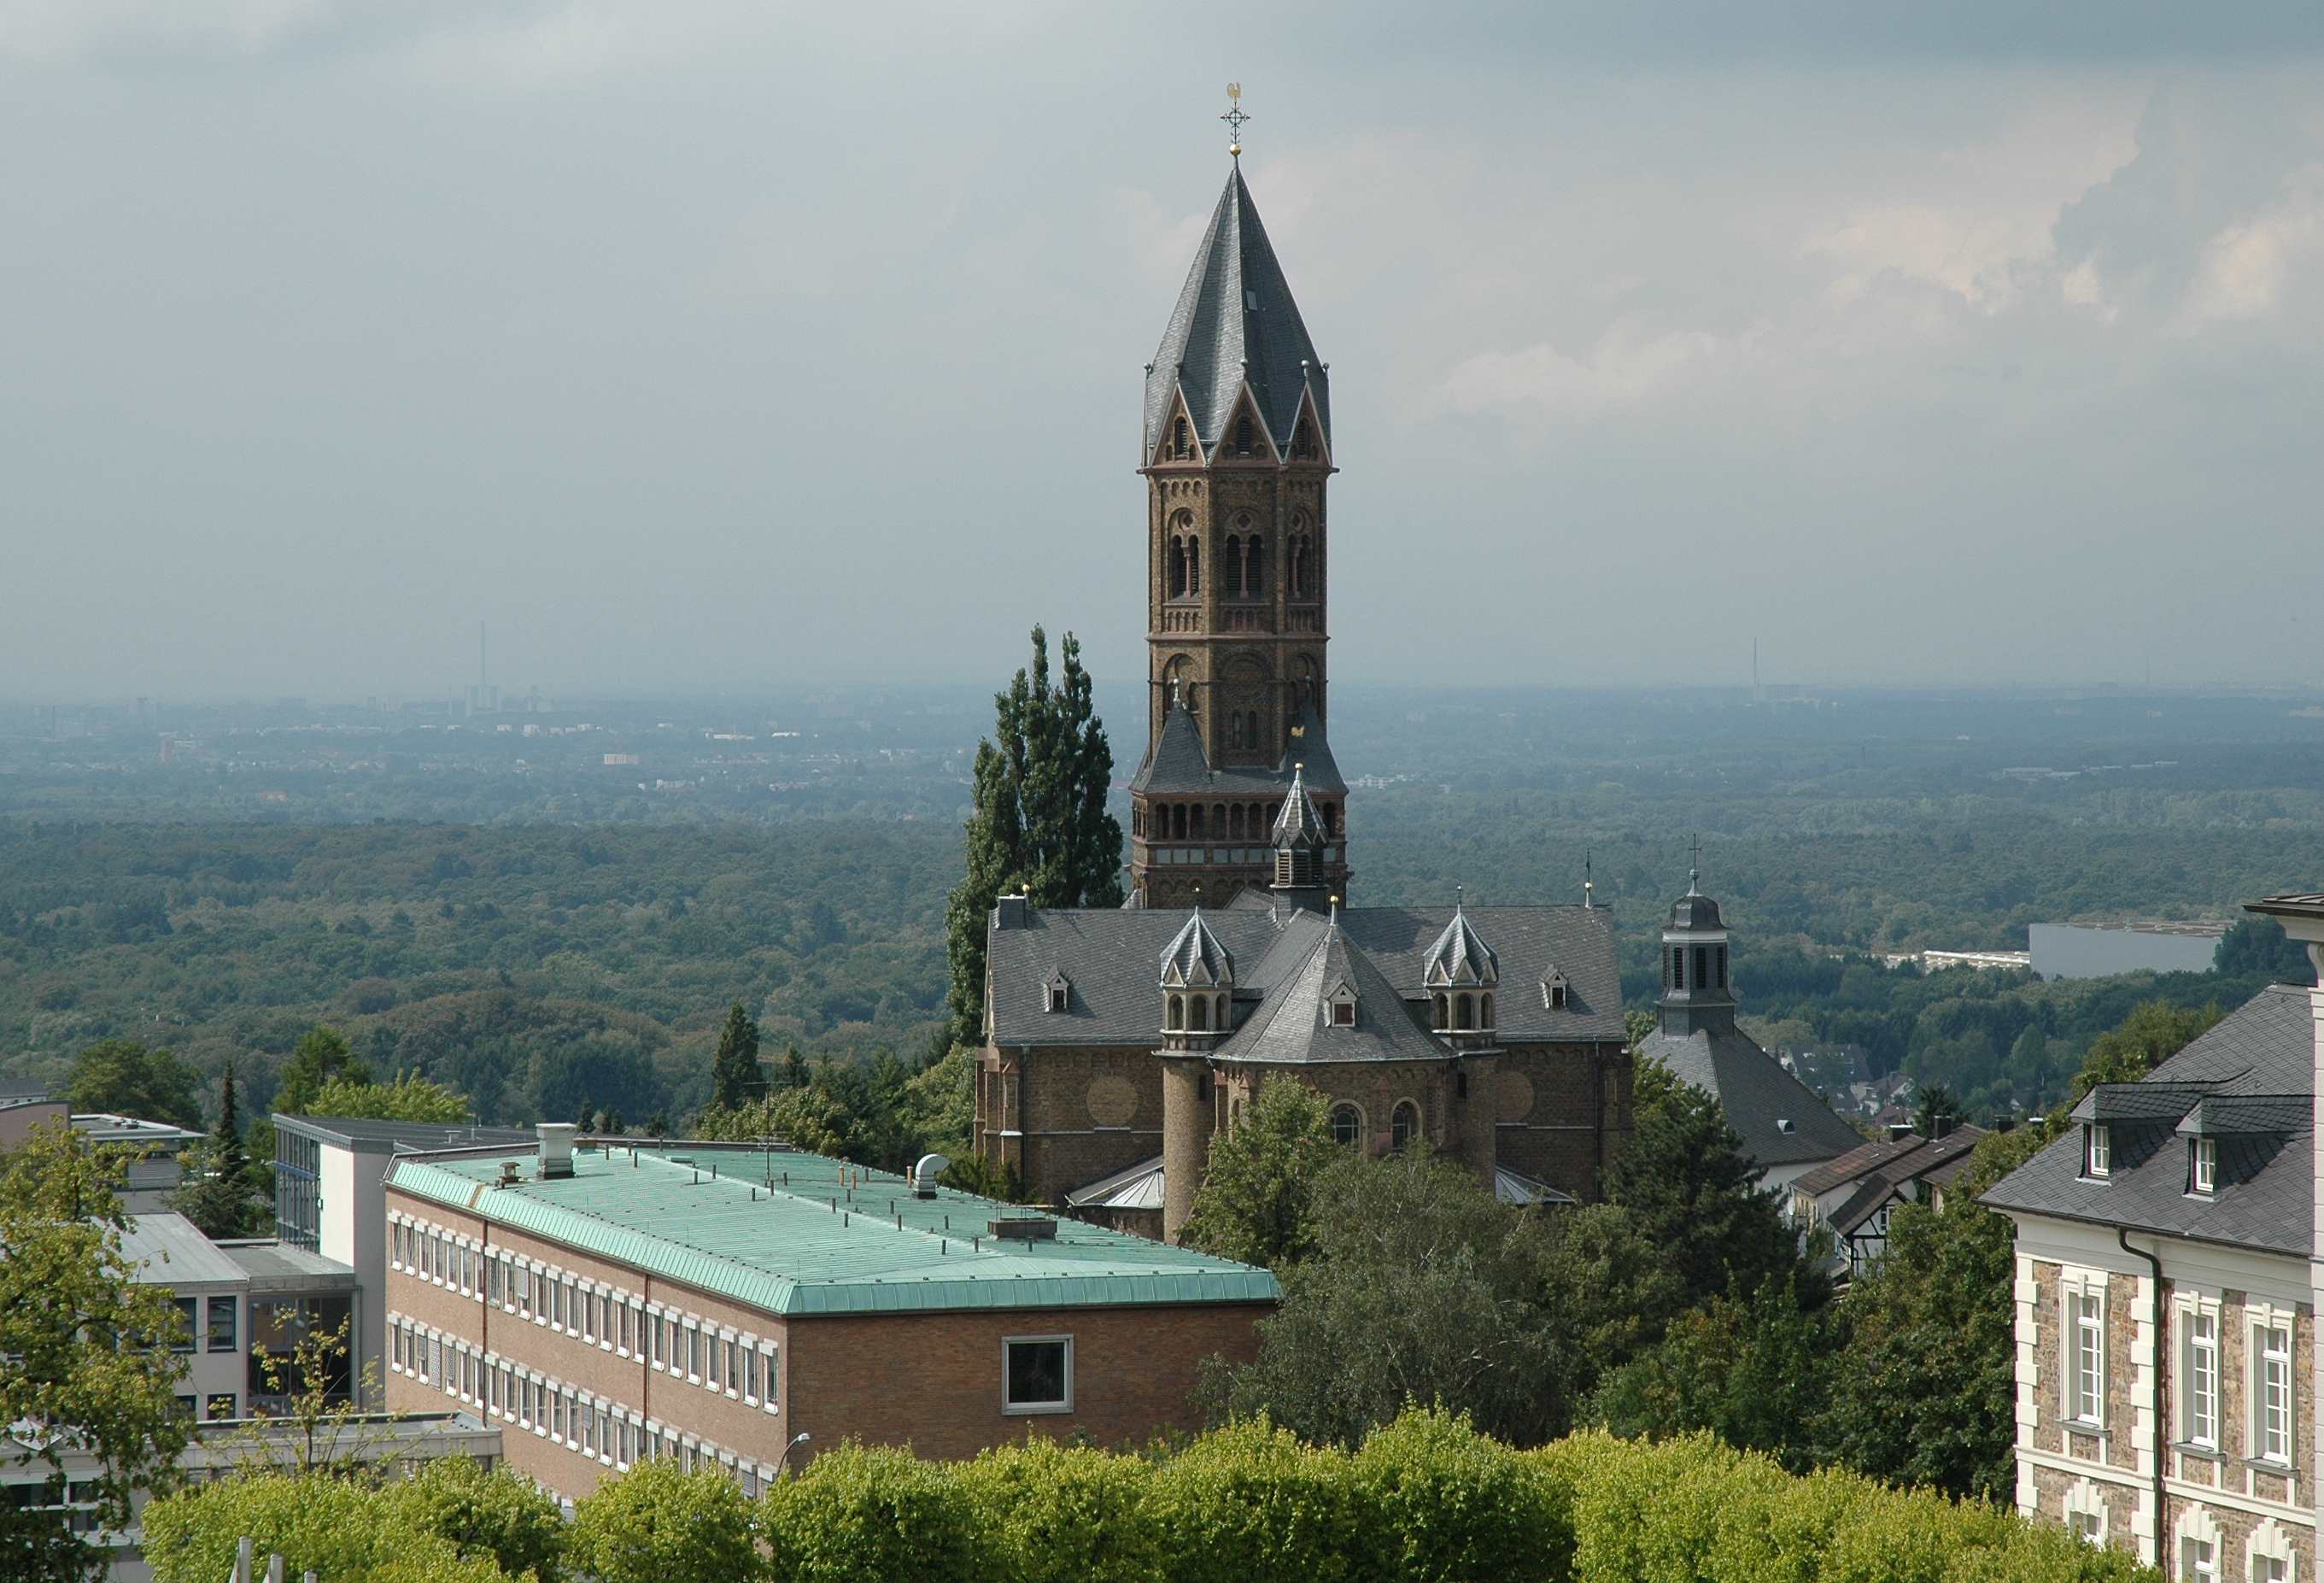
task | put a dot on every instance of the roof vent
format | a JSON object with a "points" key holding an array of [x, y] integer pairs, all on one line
{"points": [[1784, 1123], [556, 1149], [508, 1174], [1023, 1227], [925, 1174]]}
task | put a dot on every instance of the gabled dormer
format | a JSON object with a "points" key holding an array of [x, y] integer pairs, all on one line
{"points": [[1244, 436], [1057, 994], [1556, 993], [1197, 984], [1460, 973]]}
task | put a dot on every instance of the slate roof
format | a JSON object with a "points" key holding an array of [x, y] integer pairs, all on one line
{"points": [[1235, 321], [1757, 1093], [1112, 958], [2262, 1056], [1460, 956], [786, 1233], [1293, 1025], [166, 1249], [1196, 958], [1177, 766], [1881, 1171], [1299, 825]]}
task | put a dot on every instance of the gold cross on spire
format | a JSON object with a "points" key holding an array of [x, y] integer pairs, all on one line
{"points": [[1234, 118]]}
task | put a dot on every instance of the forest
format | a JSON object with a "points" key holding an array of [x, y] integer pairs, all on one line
{"points": [[554, 954]]}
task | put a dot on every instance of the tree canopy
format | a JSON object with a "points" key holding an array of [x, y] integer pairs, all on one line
{"points": [[223, 1195], [125, 1078], [1257, 1203], [1039, 823], [89, 1351], [734, 1075]]}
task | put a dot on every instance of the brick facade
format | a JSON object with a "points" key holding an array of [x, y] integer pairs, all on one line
{"points": [[931, 1380]]}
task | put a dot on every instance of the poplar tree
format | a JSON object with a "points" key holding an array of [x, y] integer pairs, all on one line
{"points": [[1040, 823], [734, 1080]]}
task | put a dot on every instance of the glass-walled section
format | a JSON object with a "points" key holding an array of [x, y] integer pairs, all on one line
{"points": [[298, 1190]]}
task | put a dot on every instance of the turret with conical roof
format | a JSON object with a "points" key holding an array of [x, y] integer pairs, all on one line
{"points": [[1237, 453]]}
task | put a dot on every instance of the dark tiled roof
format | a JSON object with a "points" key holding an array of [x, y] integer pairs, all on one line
{"points": [[1757, 1095], [1459, 957], [1293, 1025], [2263, 1054], [1236, 322], [1886, 1171], [1178, 767], [1299, 825], [1196, 958], [2153, 1100], [1112, 959]]}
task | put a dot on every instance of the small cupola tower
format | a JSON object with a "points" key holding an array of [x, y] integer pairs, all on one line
{"points": [[1197, 988], [1695, 991], [1301, 876], [1461, 975]]}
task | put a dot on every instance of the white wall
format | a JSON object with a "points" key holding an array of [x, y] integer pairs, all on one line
{"points": [[353, 1229]]}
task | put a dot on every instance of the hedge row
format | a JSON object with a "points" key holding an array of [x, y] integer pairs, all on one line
{"points": [[1425, 1500]]}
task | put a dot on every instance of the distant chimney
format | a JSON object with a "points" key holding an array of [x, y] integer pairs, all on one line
{"points": [[1012, 912], [556, 1149]]}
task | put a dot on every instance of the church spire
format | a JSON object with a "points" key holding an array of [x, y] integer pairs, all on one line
{"points": [[1235, 327]]}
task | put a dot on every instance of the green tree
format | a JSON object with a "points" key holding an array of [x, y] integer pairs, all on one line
{"points": [[2152, 1032], [1923, 1392], [2257, 946], [1039, 823], [1755, 1370], [1935, 1111], [657, 1524], [223, 1196], [1421, 1287], [407, 1098], [1257, 1202], [501, 1516], [348, 1530], [129, 1080], [321, 1055], [89, 1361], [1684, 1181], [734, 1075], [871, 1513]]}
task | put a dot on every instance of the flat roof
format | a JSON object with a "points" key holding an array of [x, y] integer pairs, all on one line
{"points": [[834, 1238], [274, 1265], [166, 1249], [365, 1136]]}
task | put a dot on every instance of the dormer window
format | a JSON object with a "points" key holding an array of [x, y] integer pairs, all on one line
{"points": [[1553, 991], [2203, 1165], [2097, 1151], [1340, 1008], [1057, 994]]}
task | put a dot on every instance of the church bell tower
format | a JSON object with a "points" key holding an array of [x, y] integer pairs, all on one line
{"points": [[1237, 453]]}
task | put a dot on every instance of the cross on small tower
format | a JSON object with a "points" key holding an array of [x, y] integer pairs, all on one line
{"points": [[1695, 866], [1234, 118]]}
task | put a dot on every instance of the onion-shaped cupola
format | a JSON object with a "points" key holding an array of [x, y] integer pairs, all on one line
{"points": [[1197, 985], [1695, 991], [1460, 974]]}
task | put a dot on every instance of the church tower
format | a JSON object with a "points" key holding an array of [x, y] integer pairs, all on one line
{"points": [[1237, 450]]}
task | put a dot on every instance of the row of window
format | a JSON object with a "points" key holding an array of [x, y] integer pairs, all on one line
{"points": [[1403, 1123], [1244, 555], [218, 1335], [1216, 821], [682, 1344], [2202, 1159], [2270, 1430], [1461, 1014], [602, 1431]]}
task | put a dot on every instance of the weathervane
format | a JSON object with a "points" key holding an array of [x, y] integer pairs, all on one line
{"points": [[1234, 118], [1589, 883]]}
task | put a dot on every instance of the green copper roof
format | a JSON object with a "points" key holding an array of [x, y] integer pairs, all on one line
{"points": [[814, 1245]]}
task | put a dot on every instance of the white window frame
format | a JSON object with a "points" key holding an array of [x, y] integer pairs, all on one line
{"points": [[2264, 1321], [689, 1342], [771, 1393], [2203, 1166], [2075, 1291], [2269, 1545], [2198, 1363], [2097, 1151], [655, 1345], [1035, 1409]]}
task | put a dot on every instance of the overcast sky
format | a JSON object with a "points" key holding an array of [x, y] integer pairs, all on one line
{"points": [[694, 344]]}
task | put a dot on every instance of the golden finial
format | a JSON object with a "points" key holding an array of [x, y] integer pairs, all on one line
{"points": [[1234, 118]]}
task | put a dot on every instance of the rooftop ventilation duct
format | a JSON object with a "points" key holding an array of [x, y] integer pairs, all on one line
{"points": [[925, 1174], [556, 1149]]}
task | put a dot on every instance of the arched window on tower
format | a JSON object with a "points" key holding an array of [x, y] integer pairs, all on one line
{"points": [[1194, 823], [1180, 446], [1244, 436], [1194, 565], [1485, 1011], [1177, 569], [1179, 819], [1404, 1126], [1347, 1124], [1234, 565], [1254, 582], [1200, 1006], [1177, 1017], [1464, 1013], [1218, 822], [1443, 1010]]}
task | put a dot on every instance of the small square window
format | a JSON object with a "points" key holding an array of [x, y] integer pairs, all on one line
{"points": [[221, 1332], [188, 1327], [1037, 1373], [1343, 1013]]}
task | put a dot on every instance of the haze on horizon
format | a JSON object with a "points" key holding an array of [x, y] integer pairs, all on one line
{"points": [[707, 345]]}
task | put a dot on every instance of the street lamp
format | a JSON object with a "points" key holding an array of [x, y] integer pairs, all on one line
{"points": [[798, 1440]]}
